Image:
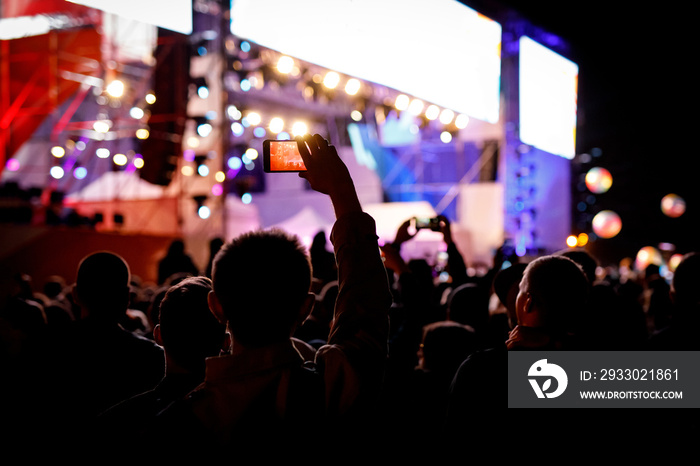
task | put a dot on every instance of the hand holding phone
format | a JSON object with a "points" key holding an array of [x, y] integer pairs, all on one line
{"points": [[282, 157]]}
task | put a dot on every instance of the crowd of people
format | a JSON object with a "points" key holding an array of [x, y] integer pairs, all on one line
{"points": [[273, 341]]}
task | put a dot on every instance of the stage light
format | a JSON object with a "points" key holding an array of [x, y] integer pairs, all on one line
{"points": [[598, 180], [220, 177], [204, 129], [202, 170], [235, 163], [136, 113], [237, 129], [447, 116], [138, 162], [233, 112], [253, 118], [446, 136], [673, 205], [299, 128], [416, 107], [102, 126], [116, 88], [352, 87], [142, 133], [331, 80], [251, 153], [187, 170], [432, 112], [58, 151], [150, 98], [119, 159], [245, 85], [102, 152], [285, 64], [79, 173], [247, 198], [401, 102], [204, 212], [461, 121], [12, 165], [356, 115], [57, 172], [276, 125], [582, 240], [606, 224], [647, 256], [572, 241]]}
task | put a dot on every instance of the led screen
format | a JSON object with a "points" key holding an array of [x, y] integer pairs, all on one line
{"points": [[440, 51], [548, 99], [175, 15]]}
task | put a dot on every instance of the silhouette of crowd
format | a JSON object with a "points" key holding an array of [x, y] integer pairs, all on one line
{"points": [[270, 342]]}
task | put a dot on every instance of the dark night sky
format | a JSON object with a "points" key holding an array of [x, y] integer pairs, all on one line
{"points": [[637, 94]]}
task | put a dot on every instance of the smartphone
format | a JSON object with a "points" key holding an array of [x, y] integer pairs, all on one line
{"points": [[422, 223], [282, 157]]}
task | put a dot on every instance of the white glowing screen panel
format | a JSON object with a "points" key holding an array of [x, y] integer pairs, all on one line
{"points": [[175, 15], [440, 51], [548, 99]]}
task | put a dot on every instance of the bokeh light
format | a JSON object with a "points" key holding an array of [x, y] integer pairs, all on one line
{"points": [[80, 172], [402, 101], [12, 165], [285, 64], [276, 125], [673, 261], [58, 151], [247, 198], [572, 241], [204, 212], [606, 224], [116, 88], [432, 112], [646, 256], [102, 152], [300, 128], [57, 172], [150, 98], [352, 87], [446, 136], [672, 205], [598, 180], [462, 121], [119, 159], [331, 80]]}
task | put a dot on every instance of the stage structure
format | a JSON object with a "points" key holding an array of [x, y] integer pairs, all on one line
{"points": [[440, 114]]}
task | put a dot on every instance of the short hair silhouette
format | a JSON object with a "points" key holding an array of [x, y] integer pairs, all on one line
{"points": [[686, 278], [102, 285], [189, 331], [559, 288], [262, 279]]}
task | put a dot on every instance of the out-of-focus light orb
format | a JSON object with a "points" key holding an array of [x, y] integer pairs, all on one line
{"points": [[235, 163], [193, 141], [115, 88], [102, 152], [276, 125], [432, 112], [102, 126], [217, 190], [607, 224], [416, 107], [12, 165], [300, 128], [352, 87], [672, 205], [58, 151], [283, 136], [646, 256], [237, 129], [220, 176], [247, 198], [598, 180], [445, 137], [673, 261], [205, 129], [79, 173], [331, 80], [461, 121], [187, 170], [582, 240], [251, 153], [136, 113], [150, 98], [259, 132], [142, 133], [233, 112], [356, 115], [253, 118], [446, 116], [203, 170], [119, 159], [285, 64], [204, 212], [57, 172], [571, 241], [138, 162], [401, 102]]}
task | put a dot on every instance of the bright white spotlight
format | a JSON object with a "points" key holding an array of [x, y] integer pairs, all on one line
{"points": [[352, 87], [300, 128], [285, 64], [276, 125], [115, 88], [331, 80]]}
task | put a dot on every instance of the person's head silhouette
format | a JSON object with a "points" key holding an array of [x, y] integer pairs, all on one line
{"points": [[102, 286], [261, 282]]}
